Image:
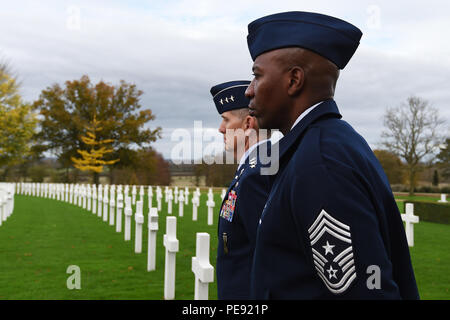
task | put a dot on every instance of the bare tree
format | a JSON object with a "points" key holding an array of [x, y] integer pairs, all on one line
{"points": [[412, 133]]}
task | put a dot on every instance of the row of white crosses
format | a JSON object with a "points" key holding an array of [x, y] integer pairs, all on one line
{"points": [[182, 198], [7, 191], [101, 200]]}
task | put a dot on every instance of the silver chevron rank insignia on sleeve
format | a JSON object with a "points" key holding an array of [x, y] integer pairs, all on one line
{"points": [[332, 252]]}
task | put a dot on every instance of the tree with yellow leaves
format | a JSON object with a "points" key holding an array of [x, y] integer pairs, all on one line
{"points": [[17, 123], [93, 159]]}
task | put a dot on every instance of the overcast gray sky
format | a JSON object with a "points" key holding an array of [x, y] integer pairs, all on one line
{"points": [[176, 50]]}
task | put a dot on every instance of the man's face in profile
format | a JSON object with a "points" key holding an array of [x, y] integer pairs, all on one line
{"points": [[231, 121], [267, 91]]}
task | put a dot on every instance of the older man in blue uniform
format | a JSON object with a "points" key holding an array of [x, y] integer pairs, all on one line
{"points": [[331, 228], [244, 201]]}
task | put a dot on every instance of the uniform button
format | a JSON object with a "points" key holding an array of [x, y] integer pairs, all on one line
{"points": [[236, 177], [259, 221]]}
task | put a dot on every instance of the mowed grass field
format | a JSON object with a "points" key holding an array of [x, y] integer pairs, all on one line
{"points": [[43, 237]]}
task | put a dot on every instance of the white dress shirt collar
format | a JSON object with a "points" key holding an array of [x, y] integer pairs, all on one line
{"points": [[304, 113]]}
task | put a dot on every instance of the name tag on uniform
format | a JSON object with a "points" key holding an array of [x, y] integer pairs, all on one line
{"points": [[229, 206]]}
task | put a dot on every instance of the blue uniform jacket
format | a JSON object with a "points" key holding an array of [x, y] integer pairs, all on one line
{"points": [[238, 220], [331, 228]]}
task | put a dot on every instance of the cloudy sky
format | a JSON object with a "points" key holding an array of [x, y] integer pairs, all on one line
{"points": [[176, 50]]}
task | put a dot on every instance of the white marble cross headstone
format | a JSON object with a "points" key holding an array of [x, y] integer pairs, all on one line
{"points": [[84, 195], [105, 204], [126, 191], [181, 203], [171, 244], [176, 192], [141, 193], [128, 214], [210, 193], [202, 269], [210, 204], [158, 198], [75, 193], [195, 204], [119, 211], [169, 201], [152, 230], [89, 197], [150, 197], [2, 206], [100, 200], [94, 199], [186, 195], [139, 218], [66, 192], [10, 199], [410, 219], [69, 192], [112, 206], [133, 194], [443, 198]]}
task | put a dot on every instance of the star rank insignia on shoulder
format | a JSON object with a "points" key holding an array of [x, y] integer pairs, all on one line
{"points": [[332, 252], [252, 162]]}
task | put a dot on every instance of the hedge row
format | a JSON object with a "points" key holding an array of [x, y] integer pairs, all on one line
{"points": [[432, 212], [424, 189]]}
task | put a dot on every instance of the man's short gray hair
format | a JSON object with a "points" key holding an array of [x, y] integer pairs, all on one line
{"points": [[241, 113]]}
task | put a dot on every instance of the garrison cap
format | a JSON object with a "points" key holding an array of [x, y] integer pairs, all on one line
{"points": [[230, 95], [332, 38]]}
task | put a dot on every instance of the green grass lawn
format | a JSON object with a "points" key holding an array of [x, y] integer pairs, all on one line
{"points": [[431, 259], [43, 237]]}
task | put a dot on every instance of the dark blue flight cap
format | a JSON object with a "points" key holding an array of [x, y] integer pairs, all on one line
{"points": [[230, 95], [330, 37]]}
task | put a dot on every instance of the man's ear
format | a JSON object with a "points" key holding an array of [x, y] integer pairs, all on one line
{"points": [[251, 128], [296, 80], [250, 123]]}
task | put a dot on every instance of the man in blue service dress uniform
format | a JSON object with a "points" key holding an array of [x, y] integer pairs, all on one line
{"points": [[244, 201], [330, 228]]}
